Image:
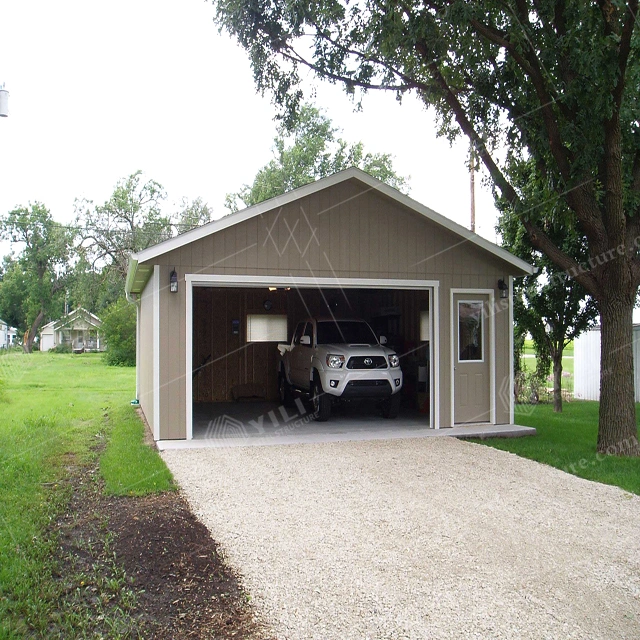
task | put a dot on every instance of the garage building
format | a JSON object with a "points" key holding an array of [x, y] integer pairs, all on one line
{"points": [[214, 302]]}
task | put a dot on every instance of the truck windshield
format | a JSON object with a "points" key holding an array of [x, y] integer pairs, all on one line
{"points": [[345, 332]]}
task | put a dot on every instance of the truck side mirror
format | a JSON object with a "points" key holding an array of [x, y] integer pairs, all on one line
{"points": [[383, 339], [305, 340]]}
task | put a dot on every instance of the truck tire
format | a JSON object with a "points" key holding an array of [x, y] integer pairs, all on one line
{"points": [[391, 406], [284, 390], [321, 401]]}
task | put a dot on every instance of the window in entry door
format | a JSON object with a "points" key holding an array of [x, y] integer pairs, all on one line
{"points": [[470, 331]]}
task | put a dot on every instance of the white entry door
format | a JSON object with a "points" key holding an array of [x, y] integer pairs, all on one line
{"points": [[471, 358]]}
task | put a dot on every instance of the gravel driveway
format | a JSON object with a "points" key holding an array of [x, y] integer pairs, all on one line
{"points": [[421, 538]]}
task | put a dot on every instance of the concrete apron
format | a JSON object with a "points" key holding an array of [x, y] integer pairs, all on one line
{"points": [[250, 424]]}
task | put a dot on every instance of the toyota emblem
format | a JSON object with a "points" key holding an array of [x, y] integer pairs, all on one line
{"points": [[368, 362]]}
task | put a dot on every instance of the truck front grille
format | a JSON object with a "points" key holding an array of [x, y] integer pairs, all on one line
{"points": [[367, 362]]}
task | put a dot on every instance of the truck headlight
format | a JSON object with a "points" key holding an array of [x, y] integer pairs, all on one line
{"points": [[394, 360], [335, 361]]}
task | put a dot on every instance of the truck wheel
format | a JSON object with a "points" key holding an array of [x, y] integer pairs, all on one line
{"points": [[284, 390], [391, 406], [321, 401]]}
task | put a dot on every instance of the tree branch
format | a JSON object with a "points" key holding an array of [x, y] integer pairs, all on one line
{"points": [[625, 50], [571, 267]]}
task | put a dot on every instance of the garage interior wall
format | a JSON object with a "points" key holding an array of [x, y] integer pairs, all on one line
{"points": [[223, 361]]}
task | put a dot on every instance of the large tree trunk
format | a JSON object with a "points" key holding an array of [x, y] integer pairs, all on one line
{"points": [[618, 430], [30, 336], [557, 382]]}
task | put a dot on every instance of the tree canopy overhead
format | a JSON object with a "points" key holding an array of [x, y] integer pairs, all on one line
{"points": [[307, 150], [555, 82]]}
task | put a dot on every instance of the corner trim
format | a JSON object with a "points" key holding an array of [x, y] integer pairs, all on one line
{"points": [[156, 352]]}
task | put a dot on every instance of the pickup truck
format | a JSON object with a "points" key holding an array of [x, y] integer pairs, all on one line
{"points": [[333, 360]]}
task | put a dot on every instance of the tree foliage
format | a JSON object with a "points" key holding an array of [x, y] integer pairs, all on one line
{"points": [[129, 221], [310, 149], [33, 281], [548, 305], [555, 82], [192, 214], [119, 331]]}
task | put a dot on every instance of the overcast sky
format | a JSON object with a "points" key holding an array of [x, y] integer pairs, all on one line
{"points": [[100, 90]]}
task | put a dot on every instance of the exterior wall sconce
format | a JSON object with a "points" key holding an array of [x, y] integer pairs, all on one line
{"points": [[173, 282], [503, 287]]}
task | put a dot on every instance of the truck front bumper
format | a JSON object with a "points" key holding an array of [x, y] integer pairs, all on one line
{"points": [[343, 383]]}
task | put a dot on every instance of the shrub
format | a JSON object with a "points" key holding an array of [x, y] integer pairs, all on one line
{"points": [[119, 331], [65, 347]]}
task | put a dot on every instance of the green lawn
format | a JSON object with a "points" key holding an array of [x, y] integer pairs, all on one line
{"points": [[56, 413], [567, 441]]}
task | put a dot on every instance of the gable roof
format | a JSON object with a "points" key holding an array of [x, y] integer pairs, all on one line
{"points": [[69, 319], [137, 279]]}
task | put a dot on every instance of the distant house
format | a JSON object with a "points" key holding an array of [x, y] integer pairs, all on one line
{"points": [[12, 334], [4, 334], [79, 329], [7, 335]]}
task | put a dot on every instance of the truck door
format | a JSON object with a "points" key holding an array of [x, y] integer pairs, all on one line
{"points": [[300, 357]]}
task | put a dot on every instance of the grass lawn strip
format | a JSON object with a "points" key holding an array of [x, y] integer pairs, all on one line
{"points": [[76, 562], [567, 441]]}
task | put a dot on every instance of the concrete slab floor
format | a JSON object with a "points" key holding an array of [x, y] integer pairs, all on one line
{"points": [[248, 424]]}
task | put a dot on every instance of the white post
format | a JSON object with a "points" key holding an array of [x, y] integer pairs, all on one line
{"points": [[4, 101]]}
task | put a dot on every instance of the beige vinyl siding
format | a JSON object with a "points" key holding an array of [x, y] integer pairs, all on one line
{"points": [[172, 350], [145, 363], [345, 231]]}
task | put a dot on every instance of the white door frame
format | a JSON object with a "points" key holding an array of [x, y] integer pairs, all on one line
{"points": [[208, 280], [492, 349]]}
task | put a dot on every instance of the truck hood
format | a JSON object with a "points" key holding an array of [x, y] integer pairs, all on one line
{"points": [[357, 349]]}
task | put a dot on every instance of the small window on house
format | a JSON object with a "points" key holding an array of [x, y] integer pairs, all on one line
{"points": [[266, 328]]}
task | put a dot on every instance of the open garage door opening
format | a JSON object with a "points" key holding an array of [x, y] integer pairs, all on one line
{"points": [[235, 358]]}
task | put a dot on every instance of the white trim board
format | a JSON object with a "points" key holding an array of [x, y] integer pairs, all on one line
{"points": [[208, 280], [511, 355], [156, 352]]}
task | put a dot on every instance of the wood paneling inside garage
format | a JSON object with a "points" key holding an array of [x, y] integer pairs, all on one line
{"points": [[224, 361]]}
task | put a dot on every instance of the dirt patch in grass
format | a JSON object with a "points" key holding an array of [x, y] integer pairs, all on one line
{"points": [[184, 587], [143, 567]]}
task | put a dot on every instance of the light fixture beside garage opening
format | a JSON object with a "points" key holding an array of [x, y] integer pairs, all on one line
{"points": [[173, 281], [504, 288]]}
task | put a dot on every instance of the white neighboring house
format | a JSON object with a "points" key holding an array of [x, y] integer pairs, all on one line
{"points": [[586, 361], [4, 334], [7, 335], [80, 329], [12, 334]]}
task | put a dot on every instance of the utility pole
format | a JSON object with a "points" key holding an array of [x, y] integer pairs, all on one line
{"points": [[472, 180]]}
